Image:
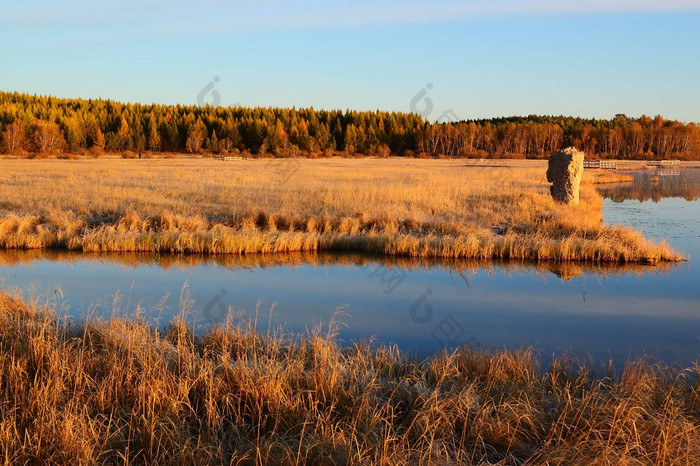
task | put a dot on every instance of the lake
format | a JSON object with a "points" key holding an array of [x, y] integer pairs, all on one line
{"points": [[610, 312]]}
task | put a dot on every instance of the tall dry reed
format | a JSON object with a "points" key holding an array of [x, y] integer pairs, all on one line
{"points": [[120, 391]]}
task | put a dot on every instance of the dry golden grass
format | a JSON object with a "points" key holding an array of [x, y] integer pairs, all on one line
{"points": [[419, 208], [121, 391]]}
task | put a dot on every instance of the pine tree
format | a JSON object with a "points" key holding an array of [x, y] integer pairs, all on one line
{"points": [[122, 140], [214, 142], [153, 138], [98, 139], [350, 139]]}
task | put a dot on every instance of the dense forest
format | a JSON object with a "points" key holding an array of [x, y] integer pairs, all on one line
{"points": [[31, 125]]}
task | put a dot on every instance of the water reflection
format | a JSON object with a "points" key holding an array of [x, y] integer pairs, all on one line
{"points": [[422, 305], [656, 184], [564, 270]]}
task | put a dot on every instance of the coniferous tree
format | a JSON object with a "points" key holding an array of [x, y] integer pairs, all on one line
{"points": [[153, 137], [104, 124], [213, 142]]}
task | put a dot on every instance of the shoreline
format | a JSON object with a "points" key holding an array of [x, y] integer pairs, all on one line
{"points": [[217, 242]]}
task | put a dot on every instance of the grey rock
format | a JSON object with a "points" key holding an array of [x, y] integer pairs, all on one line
{"points": [[564, 172]]}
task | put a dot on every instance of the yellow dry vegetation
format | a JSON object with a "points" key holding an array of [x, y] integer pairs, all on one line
{"points": [[119, 391], [403, 207]]}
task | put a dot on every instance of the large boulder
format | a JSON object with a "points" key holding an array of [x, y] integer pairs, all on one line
{"points": [[564, 172]]}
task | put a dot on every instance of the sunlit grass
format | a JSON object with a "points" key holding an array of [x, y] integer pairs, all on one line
{"points": [[420, 208], [119, 390]]}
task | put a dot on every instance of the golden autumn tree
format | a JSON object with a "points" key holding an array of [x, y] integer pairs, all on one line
{"points": [[153, 138], [196, 134], [14, 137], [47, 137]]}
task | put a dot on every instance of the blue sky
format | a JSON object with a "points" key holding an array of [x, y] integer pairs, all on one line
{"points": [[482, 58]]}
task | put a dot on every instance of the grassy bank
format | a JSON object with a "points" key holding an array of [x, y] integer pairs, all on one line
{"points": [[419, 208], [118, 390]]}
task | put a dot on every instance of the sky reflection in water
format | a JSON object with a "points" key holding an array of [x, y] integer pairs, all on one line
{"points": [[421, 305]]}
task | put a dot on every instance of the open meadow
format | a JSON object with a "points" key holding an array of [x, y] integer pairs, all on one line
{"points": [[403, 207]]}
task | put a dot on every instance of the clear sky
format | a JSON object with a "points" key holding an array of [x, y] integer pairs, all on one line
{"points": [[482, 58]]}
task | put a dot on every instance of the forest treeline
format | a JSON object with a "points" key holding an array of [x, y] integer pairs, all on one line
{"points": [[31, 124]]}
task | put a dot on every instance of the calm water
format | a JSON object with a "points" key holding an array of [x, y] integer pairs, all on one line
{"points": [[422, 306]]}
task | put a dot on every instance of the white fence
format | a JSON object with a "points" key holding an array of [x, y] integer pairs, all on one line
{"points": [[604, 164]]}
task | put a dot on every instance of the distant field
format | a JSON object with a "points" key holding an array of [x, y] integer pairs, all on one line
{"points": [[404, 207]]}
